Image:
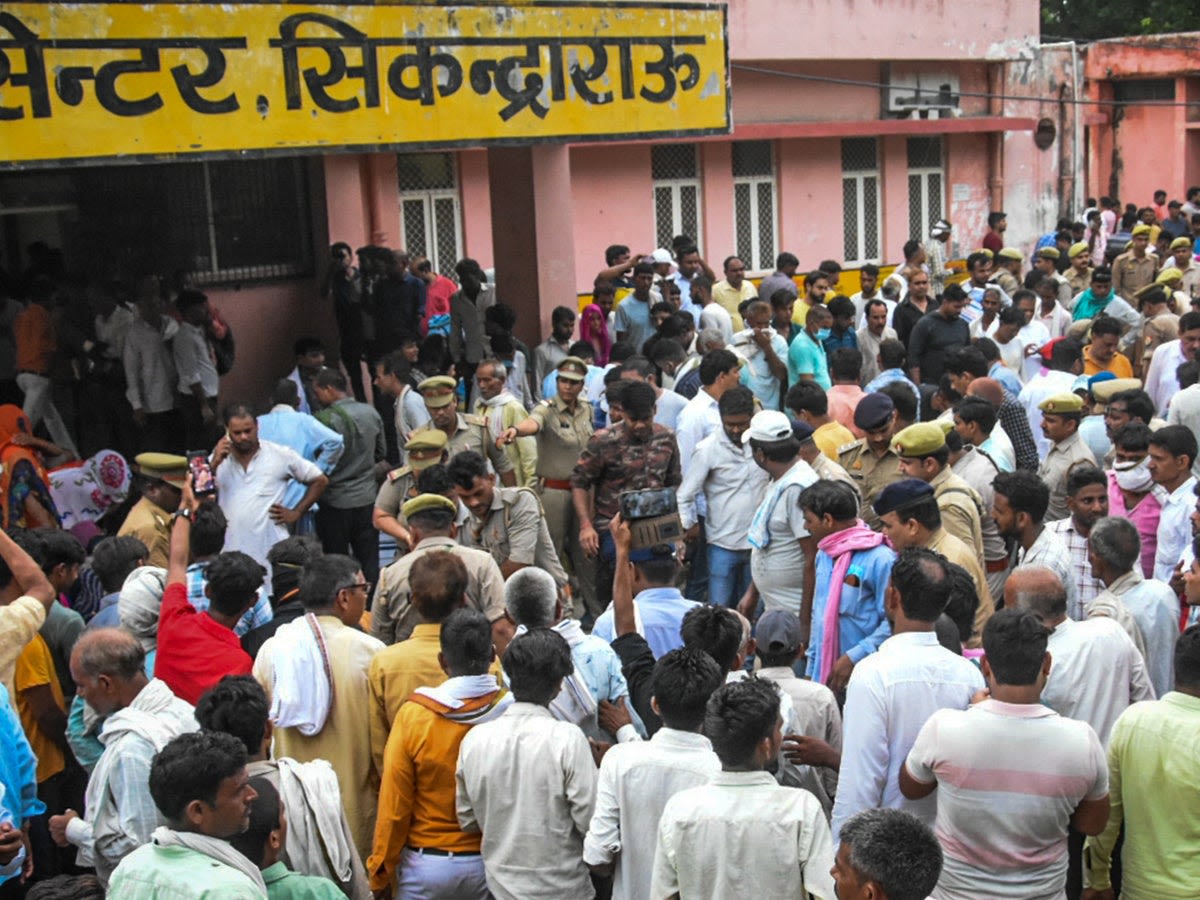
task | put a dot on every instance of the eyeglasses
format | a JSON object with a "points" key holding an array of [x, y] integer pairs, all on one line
{"points": [[356, 585]]}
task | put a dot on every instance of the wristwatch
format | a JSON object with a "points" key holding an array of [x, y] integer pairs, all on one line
{"points": [[182, 513]]}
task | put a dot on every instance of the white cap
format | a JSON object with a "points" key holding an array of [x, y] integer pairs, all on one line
{"points": [[940, 227], [768, 425], [661, 256]]}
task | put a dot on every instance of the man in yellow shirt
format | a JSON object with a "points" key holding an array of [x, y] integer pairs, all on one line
{"points": [[1101, 354], [419, 845], [808, 402], [734, 290]]}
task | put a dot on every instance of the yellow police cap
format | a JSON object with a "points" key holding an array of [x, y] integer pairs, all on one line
{"points": [[1049, 253], [424, 502], [1077, 248], [438, 391], [1062, 403], [986, 252], [922, 439], [1181, 243], [168, 467], [572, 368], [1011, 253], [1103, 391], [1143, 228], [430, 439], [1170, 273]]}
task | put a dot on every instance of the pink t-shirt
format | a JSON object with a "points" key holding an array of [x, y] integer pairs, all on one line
{"points": [[1009, 778], [1144, 516]]}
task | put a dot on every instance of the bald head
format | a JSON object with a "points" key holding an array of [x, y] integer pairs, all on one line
{"points": [[1038, 590], [987, 388]]}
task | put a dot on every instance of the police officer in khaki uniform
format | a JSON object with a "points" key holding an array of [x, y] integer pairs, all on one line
{"points": [[506, 522], [563, 426], [825, 467], [1007, 272], [870, 461], [430, 519], [149, 520], [1061, 415], [923, 454], [463, 432], [424, 449], [1135, 268]]}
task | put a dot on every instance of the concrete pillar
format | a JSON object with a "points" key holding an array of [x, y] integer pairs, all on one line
{"points": [[532, 233]]}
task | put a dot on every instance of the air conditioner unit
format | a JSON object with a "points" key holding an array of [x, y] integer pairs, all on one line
{"points": [[923, 95]]}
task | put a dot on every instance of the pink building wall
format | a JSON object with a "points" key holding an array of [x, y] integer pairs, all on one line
{"points": [[613, 199]]}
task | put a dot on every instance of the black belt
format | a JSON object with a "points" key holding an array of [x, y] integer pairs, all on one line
{"points": [[434, 851]]}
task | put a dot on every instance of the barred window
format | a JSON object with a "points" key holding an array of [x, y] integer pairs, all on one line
{"points": [[430, 208], [213, 222], [754, 203], [860, 200], [675, 171], [926, 181]]}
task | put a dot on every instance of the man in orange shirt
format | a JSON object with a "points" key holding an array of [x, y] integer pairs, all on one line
{"points": [[1101, 354], [37, 342], [418, 840]]}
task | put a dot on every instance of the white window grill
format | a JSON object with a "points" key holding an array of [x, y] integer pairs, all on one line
{"points": [[926, 185], [430, 207], [754, 204], [860, 200], [675, 171]]}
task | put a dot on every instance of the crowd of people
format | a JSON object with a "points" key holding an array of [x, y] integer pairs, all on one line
{"points": [[782, 589]]}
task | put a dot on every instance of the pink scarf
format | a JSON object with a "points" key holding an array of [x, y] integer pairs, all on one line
{"points": [[841, 546]]}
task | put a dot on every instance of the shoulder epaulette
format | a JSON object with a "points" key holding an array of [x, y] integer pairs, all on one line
{"points": [[397, 474], [853, 445], [472, 419]]}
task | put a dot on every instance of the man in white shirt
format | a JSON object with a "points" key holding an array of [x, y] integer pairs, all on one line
{"points": [[1172, 455], [743, 834], [252, 479], [1185, 406], [873, 333], [638, 778], [528, 781], [150, 370], [1064, 358], [1162, 382], [712, 314], [721, 478], [893, 691], [196, 368], [668, 405], [719, 371], [1081, 650]]}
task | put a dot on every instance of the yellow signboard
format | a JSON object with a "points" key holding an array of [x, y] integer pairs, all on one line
{"points": [[111, 81]]}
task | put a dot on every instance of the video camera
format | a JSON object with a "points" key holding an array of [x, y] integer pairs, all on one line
{"points": [[653, 517]]}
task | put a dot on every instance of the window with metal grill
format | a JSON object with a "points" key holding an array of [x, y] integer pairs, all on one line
{"points": [[754, 204], [860, 200], [430, 208], [675, 170], [926, 185]]}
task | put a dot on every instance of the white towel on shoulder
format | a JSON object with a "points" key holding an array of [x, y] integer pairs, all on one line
{"points": [[303, 692]]}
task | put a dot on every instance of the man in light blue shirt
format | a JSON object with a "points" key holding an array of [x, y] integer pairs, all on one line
{"points": [[18, 787], [806, 357], [285, 425], [831, 515], [658, 604]]}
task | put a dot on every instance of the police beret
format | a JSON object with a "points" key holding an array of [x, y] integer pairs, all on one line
{"points": [[423, 502], [1180, 243], [1143, 228], [1062, 403], [1011, 253], [1103, 391], [922, 439], [873, 411], [900, 494], [1077, 248], [801, 430], [1170, 273], [438, 391], [168, 467], [572, 368], [1049, 253]]}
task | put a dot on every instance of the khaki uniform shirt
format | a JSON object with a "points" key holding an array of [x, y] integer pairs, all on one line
{"points": [[941, 541], [1079, 282], [1055, 468], [150, 524], [393, 616], [1007, 281], [473, 434], [561, 436], [961, 508], [870, 474], [1130, 274], [398, 488], [828, 470], [515, 531]]}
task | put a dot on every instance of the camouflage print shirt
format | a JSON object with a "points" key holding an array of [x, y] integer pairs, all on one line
{"points": [[614, 462]]}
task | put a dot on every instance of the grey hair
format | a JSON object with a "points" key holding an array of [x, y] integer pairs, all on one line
{"points": [[1047, 600], [747, 631], [711, 339], [1117, 542], [530, 595], [110, 651], [894, 849]]}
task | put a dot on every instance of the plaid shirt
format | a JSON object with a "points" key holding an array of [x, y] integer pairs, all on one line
{"points": [[935, 257], [1087, 586], [259, 614], [1015, 422]]}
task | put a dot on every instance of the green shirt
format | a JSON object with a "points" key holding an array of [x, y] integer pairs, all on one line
{"points": [[152, 872], [1153, 758], [283, 884]]}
